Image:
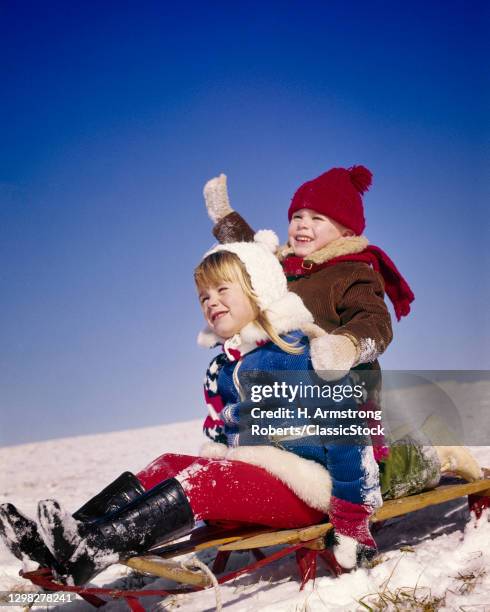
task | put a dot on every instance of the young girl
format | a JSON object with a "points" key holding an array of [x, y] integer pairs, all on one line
{"points": [[285, 483]]}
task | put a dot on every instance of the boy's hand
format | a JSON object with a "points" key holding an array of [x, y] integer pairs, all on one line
{"points": [[333, 355], [216, 198]]}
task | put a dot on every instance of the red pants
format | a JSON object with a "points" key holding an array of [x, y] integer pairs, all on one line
{"points": [[219, 489]]}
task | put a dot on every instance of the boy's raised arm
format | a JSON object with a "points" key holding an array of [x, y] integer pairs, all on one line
{"points": [[229, 225]]}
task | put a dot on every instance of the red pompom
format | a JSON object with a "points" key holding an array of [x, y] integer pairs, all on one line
{"points": [[361, 178]]}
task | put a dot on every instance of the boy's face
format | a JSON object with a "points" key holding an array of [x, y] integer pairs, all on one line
{"points": [[310, 231], [226, 308]]}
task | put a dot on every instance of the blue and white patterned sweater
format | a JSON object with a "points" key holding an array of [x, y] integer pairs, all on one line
{"points": [[352, 467]]}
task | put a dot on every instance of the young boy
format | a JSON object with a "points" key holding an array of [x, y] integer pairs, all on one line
{"points": [[330, 265]]}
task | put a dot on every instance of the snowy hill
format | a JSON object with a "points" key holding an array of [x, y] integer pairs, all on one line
{"points": [[434, 554]]}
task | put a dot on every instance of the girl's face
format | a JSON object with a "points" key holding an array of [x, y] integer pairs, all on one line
{"points": [[226, 308]]}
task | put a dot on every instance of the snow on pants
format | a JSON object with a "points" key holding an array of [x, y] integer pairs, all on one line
{"points": [[220, 489]]}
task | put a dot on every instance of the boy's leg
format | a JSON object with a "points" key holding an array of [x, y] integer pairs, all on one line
{"points": [[411, 467]]}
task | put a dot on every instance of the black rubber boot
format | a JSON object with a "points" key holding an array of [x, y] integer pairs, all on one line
{"points": [[162, 513], [22, 538], [116, 495], [21, 534]]}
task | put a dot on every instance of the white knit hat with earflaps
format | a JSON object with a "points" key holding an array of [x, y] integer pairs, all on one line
{"points": [[284, 309]]}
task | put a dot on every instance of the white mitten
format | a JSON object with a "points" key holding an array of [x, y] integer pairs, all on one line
{"points": [[333, 356], [216, 198]]}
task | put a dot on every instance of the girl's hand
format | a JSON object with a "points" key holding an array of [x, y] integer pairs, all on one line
{"points": [[216, 198]]}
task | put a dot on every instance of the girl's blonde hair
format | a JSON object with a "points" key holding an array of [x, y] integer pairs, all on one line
{"points": [[226, 267]]}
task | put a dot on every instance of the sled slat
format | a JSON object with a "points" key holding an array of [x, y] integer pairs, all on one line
{"points": [[168, 569], [286, 536], [404, 505], [390, 509], [188, 546]]}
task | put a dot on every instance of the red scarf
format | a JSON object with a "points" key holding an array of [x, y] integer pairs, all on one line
{"points": [[396, 286]]}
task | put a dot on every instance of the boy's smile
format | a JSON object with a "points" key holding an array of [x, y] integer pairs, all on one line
{"points": [[226, 308], [310, 231]]}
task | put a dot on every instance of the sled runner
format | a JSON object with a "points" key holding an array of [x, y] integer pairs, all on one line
{"points": [[307, 543]]}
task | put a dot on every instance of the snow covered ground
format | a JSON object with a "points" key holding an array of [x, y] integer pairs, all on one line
{"points": [[436, 553]]}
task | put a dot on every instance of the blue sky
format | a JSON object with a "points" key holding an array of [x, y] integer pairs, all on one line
{"points": [[115, 114]]}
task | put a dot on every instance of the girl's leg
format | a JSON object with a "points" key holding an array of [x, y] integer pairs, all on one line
{"points": [[237, 491], [355, 496], [21, 534], [203, 489], [163, 467]]}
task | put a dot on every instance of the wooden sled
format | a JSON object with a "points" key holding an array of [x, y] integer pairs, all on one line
{"points": [[307, 543]]}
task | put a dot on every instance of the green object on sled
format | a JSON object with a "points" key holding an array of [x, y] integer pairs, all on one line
{"points": [[410, 468]]}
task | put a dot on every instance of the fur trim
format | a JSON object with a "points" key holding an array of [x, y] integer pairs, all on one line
{"points": [[208, 339], [286, 315], [309, 480], [213, 450], [266, 273], [342, 246], [267, 238], [345, 551], [368, 351]]}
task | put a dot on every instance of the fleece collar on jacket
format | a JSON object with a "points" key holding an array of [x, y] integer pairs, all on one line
{"points": [[285, 315], [342, 246], [353, 248]]}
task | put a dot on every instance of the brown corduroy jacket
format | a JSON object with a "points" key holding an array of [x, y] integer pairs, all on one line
{"points": [[345, 298]]}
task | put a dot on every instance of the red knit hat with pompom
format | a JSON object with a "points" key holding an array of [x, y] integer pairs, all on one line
{"points": [[336, 194]]}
